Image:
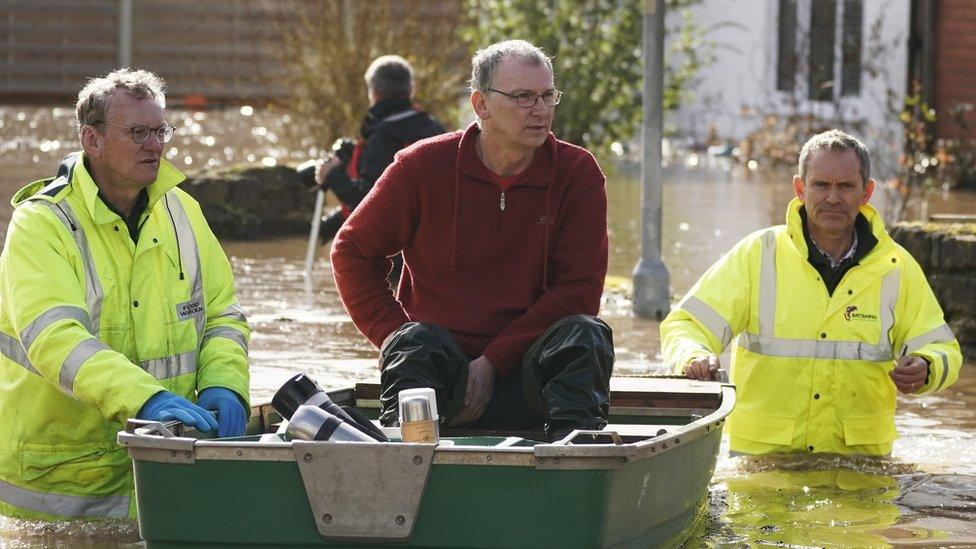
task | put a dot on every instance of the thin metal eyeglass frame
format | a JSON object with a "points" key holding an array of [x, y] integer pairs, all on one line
{"points": [[159, 132], [556, 95]]}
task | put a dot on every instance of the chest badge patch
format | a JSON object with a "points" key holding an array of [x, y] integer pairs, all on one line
{"points": [[189, 309], [851, 315]]}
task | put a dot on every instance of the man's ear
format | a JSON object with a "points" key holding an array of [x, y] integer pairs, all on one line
{"points": [[868, 191], [798, 187], [91, 141], [480, 104]]}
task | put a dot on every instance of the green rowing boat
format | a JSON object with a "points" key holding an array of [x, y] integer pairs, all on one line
{"points": [[641, 482]]}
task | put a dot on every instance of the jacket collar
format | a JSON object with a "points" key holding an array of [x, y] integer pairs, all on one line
{"points": [[540, 173], [794, 226], [383, 108], [167, 178]]}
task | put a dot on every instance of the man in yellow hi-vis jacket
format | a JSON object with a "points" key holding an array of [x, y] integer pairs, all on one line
{"points": [[116, 301], [832, 317]]}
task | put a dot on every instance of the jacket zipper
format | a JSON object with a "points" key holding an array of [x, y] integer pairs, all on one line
{"points": [[501, 202]]}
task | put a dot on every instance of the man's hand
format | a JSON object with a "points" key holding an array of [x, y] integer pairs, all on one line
{"points": [[481, 384], [323, 168], [910, 373], [702, 368]]}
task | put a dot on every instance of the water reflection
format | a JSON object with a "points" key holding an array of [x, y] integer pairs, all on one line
{"points": [[831, 507], [835, 501]]}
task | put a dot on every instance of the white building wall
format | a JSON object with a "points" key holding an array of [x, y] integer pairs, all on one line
{"points": [[736, 93]]}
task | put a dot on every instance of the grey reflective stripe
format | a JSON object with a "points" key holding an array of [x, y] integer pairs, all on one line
{"points": [[50, 316], [235, 312], [225, 332], [65, 506], [710, 318], [75, 359], [890, 285], [814, 348], [942, 334], [945, 369], [171, 366], [11, 348], [767, 284], [400, 116], [765, 343], [93, 288], [190, 254]]}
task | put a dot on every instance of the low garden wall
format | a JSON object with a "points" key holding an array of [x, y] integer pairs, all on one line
{"points": [[947, 254]]}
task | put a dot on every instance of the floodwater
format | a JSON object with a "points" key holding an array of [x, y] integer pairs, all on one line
{"points": [[923, 495]]}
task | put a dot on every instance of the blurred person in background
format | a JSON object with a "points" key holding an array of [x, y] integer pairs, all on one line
{"points": [[390, 124]]}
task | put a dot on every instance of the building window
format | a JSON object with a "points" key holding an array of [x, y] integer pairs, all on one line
{"points": [[850, 77], [832, 47], [786, 60]]}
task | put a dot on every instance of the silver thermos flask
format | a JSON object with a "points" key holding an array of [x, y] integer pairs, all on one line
{"points": [[313, 423]]}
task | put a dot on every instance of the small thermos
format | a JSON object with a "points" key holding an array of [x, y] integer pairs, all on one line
{"points": [[302, 390], [418, 416], [314, 423]]}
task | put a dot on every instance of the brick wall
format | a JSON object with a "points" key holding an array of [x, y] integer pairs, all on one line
{"points": [[955, 65]]}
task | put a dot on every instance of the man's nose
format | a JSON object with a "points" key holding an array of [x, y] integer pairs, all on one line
{"points": [[153, 143], [540, 108]]}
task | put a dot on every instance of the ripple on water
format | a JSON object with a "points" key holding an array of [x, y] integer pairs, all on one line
{"points": [[66, 534], [836, 501]]}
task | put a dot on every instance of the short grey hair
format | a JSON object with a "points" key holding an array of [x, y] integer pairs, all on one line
{"points": [[486, 61], [94, 97], [390, 76], [835, 140]]}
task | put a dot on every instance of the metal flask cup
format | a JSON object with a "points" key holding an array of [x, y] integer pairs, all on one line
{"points": [[418, 416], [314, 423], [302, 390]]}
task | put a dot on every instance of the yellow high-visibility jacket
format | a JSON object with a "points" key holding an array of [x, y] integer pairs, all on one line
{"points": [[92, 325], [811, 369]]}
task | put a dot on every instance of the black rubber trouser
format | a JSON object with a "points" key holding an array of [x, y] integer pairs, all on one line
{"points": [[563, 383]]}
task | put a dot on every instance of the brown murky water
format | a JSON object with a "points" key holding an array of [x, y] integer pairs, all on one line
{"points": [[924, 495]]}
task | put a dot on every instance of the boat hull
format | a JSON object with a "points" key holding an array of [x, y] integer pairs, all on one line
{"points": [[477, 493]]}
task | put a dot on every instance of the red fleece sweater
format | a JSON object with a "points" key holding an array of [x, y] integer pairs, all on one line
{"points": [[495, 269]]}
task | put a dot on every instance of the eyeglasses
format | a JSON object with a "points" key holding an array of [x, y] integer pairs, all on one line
{"points": [[527, 100], [141, 133]]}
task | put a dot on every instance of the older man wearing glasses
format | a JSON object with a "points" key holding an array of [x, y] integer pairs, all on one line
{"points": [[503, 231], [116, 301]]}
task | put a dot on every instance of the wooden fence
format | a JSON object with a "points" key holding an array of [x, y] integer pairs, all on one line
{"points": [[206, 50]]}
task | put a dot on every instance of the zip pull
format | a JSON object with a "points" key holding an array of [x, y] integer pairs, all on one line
{"points": [[501, 202]]}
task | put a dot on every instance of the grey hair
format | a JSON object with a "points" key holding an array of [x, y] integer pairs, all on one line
{"points": [[835, 140], [486, 61], [390, 76], [93, 98]]}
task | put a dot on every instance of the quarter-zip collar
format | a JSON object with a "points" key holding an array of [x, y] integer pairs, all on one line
{"points": [[541, 173]]}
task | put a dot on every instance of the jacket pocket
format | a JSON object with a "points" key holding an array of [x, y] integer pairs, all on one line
{"points": [[82, 464], [870, 429], [762, 426]]}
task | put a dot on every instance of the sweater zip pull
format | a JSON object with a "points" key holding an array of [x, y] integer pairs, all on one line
{"points": [[501, 202]]}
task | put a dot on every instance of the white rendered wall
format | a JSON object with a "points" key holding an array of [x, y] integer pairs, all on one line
{"points": [[738, 91]]}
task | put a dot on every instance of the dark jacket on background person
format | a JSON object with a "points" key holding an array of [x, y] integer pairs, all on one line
{"points": [[390, 125], [496, 269]]}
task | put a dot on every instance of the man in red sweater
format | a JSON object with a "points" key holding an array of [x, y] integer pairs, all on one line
{"points": [[503, 230]]}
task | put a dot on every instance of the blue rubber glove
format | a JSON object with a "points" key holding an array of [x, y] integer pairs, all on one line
{"points": [[230, 411], [164, 406]]}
